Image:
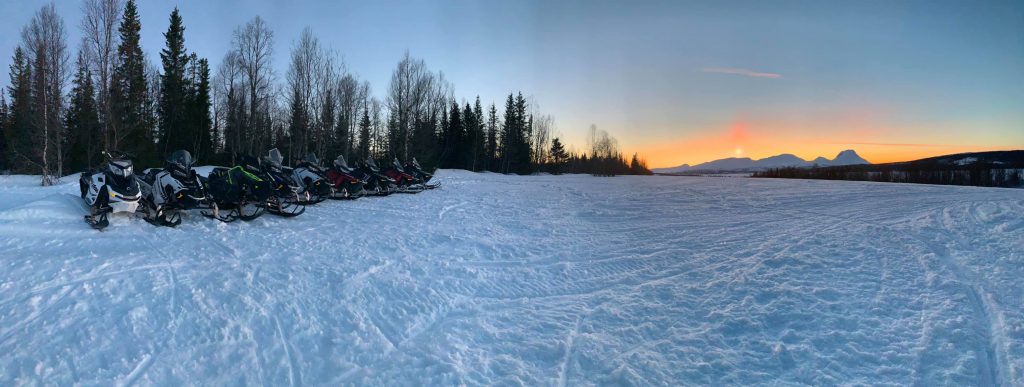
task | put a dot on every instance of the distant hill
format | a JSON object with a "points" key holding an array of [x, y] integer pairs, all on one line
{"points": [[746, 164], [989, 169]]}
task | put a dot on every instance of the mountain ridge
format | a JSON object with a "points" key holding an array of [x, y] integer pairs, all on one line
{"points": [[846, 157]]}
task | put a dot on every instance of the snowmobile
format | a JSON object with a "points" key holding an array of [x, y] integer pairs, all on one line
{"points": [[237, 190], [375, 183], [110, 190], [312, 178], [406, 183], [343, 179], [169, 191], [414, 168], [285, 198]]}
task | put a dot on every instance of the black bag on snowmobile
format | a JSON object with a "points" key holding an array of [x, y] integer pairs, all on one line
{"points": [[243, 194]]}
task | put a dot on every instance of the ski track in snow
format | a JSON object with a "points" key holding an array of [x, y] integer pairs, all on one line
{"points": [[539, 280]]}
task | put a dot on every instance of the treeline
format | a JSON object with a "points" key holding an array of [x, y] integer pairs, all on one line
{"points": [[58, 114], [978, 175]]}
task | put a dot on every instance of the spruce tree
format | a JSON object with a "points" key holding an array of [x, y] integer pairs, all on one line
{"points": [[453, 135], [133, 125], [200, 123], [175, 131], [469, 123], [19, 128], [82, 121], [3, 131], [364, 135], [492, 139], [558, 155], [508, 131]]}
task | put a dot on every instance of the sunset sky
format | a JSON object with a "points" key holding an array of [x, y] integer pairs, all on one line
{"points": [[679, 82]]}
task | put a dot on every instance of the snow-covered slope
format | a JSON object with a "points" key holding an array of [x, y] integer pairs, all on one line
{"points": [[846, 157], [539, 280]]}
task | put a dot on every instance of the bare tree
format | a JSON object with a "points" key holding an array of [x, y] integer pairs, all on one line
{"points": [[253, 44], [99, 27], [45, 41]]}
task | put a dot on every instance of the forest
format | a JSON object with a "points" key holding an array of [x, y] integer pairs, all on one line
{"points": [[61, 108]]}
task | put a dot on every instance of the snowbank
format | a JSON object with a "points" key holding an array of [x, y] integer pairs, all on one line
{"points": [[537, 280]]}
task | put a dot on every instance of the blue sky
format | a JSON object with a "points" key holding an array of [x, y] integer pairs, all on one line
{"points": [[677, 81]]}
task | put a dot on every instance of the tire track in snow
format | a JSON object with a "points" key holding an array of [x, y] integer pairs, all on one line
{"points": [[989, 362], [563, 372], [294, 377], [140, 368]]}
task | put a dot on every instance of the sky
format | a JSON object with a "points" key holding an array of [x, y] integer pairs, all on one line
{"points": [[676, 81]]}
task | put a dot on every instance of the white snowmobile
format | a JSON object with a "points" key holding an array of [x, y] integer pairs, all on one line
{"points": [[312, 179], [110, 190], [169, 191]]}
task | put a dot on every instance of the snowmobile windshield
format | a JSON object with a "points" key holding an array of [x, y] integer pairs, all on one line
{"points": [[120, 167], [340, 163], [397, 164], [370, 163], [252, 164], [311, 158], [180, 162], [416, 163], [275, 158]]}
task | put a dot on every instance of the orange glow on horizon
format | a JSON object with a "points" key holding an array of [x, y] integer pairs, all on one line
{"points": [[741, 139]]}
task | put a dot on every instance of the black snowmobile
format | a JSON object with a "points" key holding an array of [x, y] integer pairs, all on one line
{"points": [[285, 198], [172, 190], [375, 183], [414, 168], [312, 178], [343, 180], [110, 189], [237, 190]]}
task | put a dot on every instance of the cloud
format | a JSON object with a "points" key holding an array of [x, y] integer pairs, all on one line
{"points": [[743, 72]]}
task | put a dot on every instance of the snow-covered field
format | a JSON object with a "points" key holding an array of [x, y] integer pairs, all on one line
{"points": [[540, 280]]}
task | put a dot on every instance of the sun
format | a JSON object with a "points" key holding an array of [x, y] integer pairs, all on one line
{"points": [[739, 151]]}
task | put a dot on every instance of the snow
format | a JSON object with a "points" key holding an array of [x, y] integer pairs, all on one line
{"points": [[966, 161], [536, 280]]}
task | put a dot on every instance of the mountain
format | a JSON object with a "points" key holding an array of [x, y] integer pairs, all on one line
{"points": [[848, 157], [746, 164]]}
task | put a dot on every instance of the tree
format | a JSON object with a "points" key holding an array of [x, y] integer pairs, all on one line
{"points": [[19, 129], [131, 122], [491, 150], [558, 155], [253, 45], [3, 130], [82, 120], [364, 135], [98, 26], [199, 104], [46, 44], [175, 133]]}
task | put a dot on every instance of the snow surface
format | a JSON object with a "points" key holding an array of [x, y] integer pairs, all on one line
{"points": [[539, 280]]}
